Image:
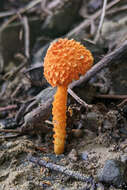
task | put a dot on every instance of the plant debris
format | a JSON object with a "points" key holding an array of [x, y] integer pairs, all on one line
{"points": [[97, 102]]}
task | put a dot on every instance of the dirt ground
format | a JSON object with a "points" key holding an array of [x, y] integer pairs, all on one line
{"points": [[96, 132]]}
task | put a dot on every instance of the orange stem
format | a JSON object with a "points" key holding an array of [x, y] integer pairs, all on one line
{"points": [[59, 119]]}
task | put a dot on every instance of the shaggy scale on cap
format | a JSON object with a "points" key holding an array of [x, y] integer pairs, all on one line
{"points": [[65, 61]]}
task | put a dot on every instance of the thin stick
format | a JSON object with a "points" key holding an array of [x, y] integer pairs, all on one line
{"points": [[116, 10], [10, 136], [53, 4], [9, 131], [26, 36], [7, 13], [17, 89], [8, 108], [111, 96], [108, 59], [61, 169], [122, 103], [87, 22], [3, 90], [21, 11], [17, 69], [101, 22], [44, 7], [78, 99]]}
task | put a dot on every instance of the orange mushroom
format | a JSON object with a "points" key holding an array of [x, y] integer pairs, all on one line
{"points": [[64, 62]]}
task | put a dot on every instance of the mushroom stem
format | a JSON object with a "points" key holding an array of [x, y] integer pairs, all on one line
{"points": [[59, 118]]}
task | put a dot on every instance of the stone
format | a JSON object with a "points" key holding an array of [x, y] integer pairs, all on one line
{"points": [[93, 120], [124, 158], [84, 156], [100, 186], [73, 155], [113, 173]]}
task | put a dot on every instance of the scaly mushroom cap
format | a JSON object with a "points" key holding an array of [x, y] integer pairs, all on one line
{"points": [[65, 61]]}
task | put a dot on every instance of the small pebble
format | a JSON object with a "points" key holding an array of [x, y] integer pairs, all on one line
{"points": [[100, 186], [124, 158], [107, 124], [84, 156], [77, 133], [9, 144], [73, 155]]}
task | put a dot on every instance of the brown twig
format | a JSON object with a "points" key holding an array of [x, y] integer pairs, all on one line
{"points": [[58, 168], [16, 91], [108, 59], [111, 96], [53, 4], [45, 8], [8, 108], [101, 21], [49, 122], [78, 99], [15, 14], [116, 10], [10, 131], [11, 73], [26, 36], [3, 89], [20, 11], [87, 22], [7, 13], [122, 103], [10, 136]]}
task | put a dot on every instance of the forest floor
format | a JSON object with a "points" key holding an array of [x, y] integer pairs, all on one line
{"points": [[96, 131]]}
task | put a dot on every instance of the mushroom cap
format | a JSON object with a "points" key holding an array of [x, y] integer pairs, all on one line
{"points": [[65, 61]]}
